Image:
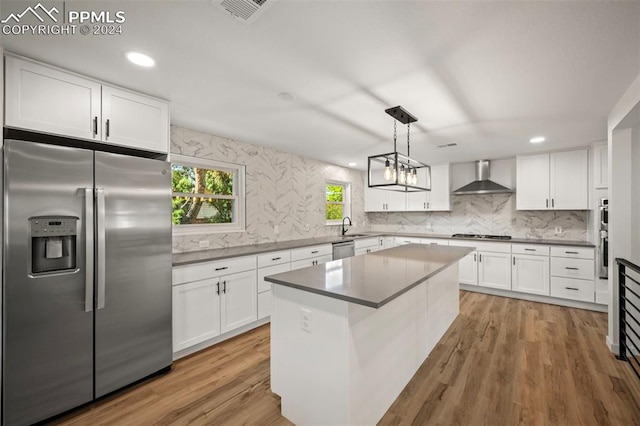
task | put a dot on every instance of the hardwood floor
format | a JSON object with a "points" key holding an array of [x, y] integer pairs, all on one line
{"points": [[502, 362]]}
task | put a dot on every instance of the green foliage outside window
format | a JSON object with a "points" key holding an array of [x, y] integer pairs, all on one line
{"points": [[194, 190], [334, 201]]}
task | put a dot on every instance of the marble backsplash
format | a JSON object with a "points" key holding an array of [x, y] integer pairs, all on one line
{"points": [[486, 214], [282, 190]]}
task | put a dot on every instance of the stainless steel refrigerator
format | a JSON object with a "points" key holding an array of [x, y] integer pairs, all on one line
{"points": [[86, 276]]}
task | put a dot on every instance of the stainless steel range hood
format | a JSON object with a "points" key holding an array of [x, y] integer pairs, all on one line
{"points": [[482, 184]]}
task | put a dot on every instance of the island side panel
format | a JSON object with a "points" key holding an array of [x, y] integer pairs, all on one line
{"points": [[443, 294], [309, 368], [386, 348]]}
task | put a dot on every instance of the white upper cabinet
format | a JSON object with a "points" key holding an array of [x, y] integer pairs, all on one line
{"points": [[135, 121], [554, 181], [382, 200], [439, 198], [601, 166], [50, 100]]}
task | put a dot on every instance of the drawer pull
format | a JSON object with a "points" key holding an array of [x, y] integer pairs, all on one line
{"points": [[571, 268], [572, 288], [222, 269], [529, 249], [314, 252], [572, 252], [276, 258]]}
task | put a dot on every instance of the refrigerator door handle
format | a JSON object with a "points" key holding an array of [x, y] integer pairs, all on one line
{"points": [[101, 248], [88, 226]]}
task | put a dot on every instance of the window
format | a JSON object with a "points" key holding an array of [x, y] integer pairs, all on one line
{"points": [[337, 201], [207, 194]]}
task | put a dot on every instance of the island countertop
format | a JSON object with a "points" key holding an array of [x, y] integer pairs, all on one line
{"points": [[373, 279]]}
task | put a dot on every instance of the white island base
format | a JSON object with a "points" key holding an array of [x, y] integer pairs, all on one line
{"points": [[353, 361]]}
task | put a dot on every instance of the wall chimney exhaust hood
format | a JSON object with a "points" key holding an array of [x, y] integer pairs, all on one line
{"points": [[482, 184]]}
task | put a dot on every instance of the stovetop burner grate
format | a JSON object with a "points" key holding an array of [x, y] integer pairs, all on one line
{"points": [[482, 237]]}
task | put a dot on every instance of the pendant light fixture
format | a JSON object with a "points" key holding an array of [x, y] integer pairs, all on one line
{"points": [[396, 171]]}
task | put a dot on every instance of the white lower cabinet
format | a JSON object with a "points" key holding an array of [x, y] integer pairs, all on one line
{"points": [[494, 270], [207, 302], [196, 313], [530, 274], [366, 245], [265, 297], [239, 301], [312, 261], [468, 269], [573, 273]]}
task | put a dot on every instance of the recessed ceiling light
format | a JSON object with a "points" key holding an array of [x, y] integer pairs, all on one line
{"points": [[352, 164], [537, 139], [286, 96], [140, 59]]}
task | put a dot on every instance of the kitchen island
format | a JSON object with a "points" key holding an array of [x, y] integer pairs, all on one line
{"points": [[348, 335]]}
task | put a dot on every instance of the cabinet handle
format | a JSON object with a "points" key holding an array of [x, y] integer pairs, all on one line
{"points": [[224, 286], [218, 288], [479, 257], [428, 205], [222, 268], [276, 258], [552, 203], [314, 251], [547, 202], [571, 252], [107, 128], [474, 257], [572, 288], [529, 249], [571, 268], [514, 261], [368, 250], [95, 126]]}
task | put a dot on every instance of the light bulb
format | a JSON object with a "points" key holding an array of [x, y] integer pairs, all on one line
{"points": [[414, 177], [403, 175], [387, 171]]}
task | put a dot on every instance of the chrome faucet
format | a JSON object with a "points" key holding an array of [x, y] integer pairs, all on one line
{"points": [[344, 231]]}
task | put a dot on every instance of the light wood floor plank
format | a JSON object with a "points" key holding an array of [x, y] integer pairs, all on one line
{"points": [[502, 362]]}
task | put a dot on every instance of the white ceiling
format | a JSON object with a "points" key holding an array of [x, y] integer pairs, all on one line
{"points": [[486, 75]]}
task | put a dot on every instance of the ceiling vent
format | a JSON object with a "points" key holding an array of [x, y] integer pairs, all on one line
{"points": [[245, 11]]}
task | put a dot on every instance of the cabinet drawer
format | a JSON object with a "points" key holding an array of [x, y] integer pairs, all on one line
{"points": [[304, 263], [406, 240], [534, 249], [569, 288], [434, 241], [366, 242], [270, 270], [274, 258], [575, 252], [185, 274], [313, 251], [572, 268]]}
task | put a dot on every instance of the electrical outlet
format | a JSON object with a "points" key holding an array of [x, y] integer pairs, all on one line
{"points": [[429, 227], [203, 243], [305, 316], [558, 230]]}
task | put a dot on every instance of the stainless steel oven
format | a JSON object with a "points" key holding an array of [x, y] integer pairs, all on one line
{"points": [[603, 257]]}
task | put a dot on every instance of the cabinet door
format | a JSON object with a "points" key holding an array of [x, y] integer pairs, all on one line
{"points": [[532, 182], [494, 270], [396, 201], [52, 101], [468, 269], [440, 195], [196, 313], [417, 201], [530, 274], [134, 121], [239, 300], [374, 199], [270, 270], [601, 166], [569, 176]]}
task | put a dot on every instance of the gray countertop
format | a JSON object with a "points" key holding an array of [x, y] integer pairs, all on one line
{"points": [[373, 279], [247, 250]]}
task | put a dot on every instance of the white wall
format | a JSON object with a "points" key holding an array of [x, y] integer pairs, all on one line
{"points": [[623, 141]]}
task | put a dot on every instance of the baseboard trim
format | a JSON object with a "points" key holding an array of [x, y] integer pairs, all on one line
{"points": [[613, 347], [535, 298]]}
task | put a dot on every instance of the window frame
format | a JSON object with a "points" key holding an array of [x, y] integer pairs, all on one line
{"points": [[346, 201], [239, 196]]}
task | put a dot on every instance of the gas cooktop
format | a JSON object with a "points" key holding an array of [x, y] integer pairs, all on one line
{"points": [[482, 237]]}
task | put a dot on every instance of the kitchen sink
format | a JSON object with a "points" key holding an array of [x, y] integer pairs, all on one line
{"points": [[354, 235]]}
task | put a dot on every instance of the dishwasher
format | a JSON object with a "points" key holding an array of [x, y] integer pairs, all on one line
{"points": [[344, 249]]}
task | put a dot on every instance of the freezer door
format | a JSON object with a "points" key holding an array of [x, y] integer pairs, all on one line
{"points": [[133, 307], [48, 330]]}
